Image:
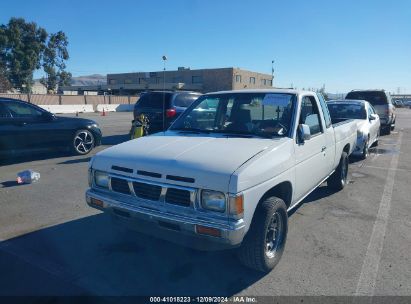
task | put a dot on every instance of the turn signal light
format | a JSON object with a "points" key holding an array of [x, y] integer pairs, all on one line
{"points": [[97, 202], [237, 205], [208, 231]]}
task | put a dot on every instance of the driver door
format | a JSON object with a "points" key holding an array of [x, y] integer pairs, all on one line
{"points": [[311, 164]]}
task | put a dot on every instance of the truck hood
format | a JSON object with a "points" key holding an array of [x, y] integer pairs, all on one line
{"points": [[208, 160]]}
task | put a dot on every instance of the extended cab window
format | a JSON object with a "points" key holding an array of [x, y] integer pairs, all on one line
{"points": [[310, 115], [326, 112]]}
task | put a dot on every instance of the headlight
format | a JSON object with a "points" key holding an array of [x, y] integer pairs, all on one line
{"points": [[94, 125], [213, 200], [101, 179]]}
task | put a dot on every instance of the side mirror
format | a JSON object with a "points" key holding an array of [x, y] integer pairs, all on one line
{"points": [[304, 132], [373, 116]]}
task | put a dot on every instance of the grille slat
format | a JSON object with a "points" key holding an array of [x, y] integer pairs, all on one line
{"points": [[120, 185], [178, 197], [147, 191]]}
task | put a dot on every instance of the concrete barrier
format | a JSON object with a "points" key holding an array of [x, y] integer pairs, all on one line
{"points": [[115, 107], [65, 109]]}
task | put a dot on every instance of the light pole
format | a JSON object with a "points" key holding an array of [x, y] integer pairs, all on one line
{"points": [[272, 73], [164, 93]]}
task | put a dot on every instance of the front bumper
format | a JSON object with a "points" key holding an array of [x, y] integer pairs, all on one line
{"points": [[359, 147], [177, 228]]}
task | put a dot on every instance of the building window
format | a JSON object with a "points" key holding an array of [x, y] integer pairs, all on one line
{"points": [[263, 82], [237, 78], [112, 81], [142, 81], [252, 80], [197, 79], [128, 81], [270, 82]]}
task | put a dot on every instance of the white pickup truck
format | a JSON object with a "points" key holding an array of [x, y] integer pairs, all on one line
{"points": [[226, 172]]}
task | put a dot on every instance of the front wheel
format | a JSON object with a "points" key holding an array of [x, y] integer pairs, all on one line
{"points": [[338, 179], [83, 142], [264, 243]]}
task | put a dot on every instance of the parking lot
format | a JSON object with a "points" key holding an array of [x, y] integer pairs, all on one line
{"points": [[354, 242]]}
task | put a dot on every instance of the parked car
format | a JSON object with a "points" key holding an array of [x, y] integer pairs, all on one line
{"points": [[368, 122], [228, 179], [25, 127], [150, 105], [382, 103]]}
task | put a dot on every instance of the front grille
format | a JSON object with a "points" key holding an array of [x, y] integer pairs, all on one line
{"points": [[147, 191], [120, 185], [178, 197]]}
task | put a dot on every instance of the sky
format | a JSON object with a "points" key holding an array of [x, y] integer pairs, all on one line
{"points": [[343, 45]]}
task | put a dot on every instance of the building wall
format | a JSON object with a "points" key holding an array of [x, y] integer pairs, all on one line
{"points": [[204, 80], [243, 79]]}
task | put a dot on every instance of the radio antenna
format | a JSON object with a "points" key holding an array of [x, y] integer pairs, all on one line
{"points": [[164, 94]]}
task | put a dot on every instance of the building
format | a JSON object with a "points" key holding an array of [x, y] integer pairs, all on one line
{"points": [[201, 80]]}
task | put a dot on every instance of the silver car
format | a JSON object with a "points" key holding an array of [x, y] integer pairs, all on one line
{"points": [[383, 106], [368, 122]]}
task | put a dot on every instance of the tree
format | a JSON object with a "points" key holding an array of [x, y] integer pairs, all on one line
{"points": [[4, 82], [54, 57], [21, 48]]}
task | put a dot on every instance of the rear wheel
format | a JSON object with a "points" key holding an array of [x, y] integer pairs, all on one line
{"points": [[264, 243], [338, 179], [83, 142]]}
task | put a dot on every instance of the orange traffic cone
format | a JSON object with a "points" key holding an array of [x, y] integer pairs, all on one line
{"points": [[104, 113]]}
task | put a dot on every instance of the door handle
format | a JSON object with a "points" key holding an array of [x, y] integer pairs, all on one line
{"points": [[323, 149]]}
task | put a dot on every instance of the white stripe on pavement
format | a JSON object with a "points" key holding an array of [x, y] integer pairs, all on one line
{"points": [[367, 281]]}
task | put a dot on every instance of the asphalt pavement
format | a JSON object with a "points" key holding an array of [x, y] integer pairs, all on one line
{"points": [[354, 242]]}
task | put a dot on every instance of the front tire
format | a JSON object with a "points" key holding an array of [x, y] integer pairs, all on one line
{"points": [[264, 243], [83, 142], [338, 179]]}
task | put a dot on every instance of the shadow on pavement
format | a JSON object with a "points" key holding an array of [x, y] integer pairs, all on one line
{"points": [[9, 184], [115, 139], [319, 193], [75, 161], [31, 156], [92, 256]]}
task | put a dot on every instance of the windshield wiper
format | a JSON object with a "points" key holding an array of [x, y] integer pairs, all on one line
{"points": [[242, 134], [191, 130]]}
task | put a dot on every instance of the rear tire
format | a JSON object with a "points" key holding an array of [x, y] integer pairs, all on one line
{"points": [[338, 179], [264, 243]]}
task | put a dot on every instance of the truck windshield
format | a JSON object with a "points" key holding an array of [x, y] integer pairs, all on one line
{"points": [[259, 114], [347, 111]]}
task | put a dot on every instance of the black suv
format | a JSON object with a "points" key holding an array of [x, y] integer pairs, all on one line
{"points": [[382, 103], [150, 105]]}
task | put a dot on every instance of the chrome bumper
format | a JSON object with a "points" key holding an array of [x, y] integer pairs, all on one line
{"points": [[173, 227]]}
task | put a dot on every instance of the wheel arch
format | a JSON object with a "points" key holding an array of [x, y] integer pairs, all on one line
{"points": [[283, 190]]}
